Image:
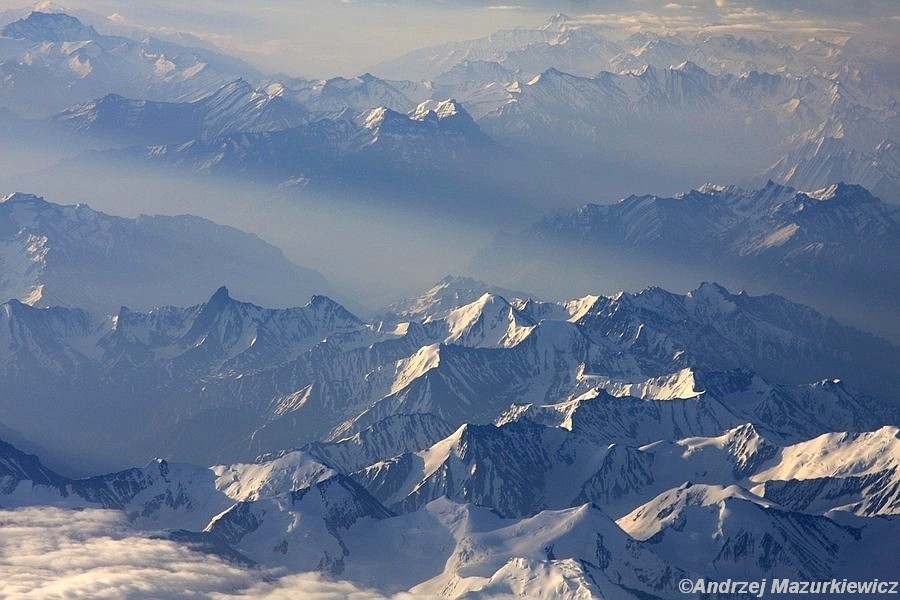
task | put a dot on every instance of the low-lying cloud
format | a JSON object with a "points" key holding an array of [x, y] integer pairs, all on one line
{"points": [[56, 553]]}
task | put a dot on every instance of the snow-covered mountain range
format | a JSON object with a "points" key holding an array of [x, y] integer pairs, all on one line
{"points": [[374, 147], [473, 441], [57, 255], [667, 111], [807, 131], [227, 380], [772, 239], [816, 110], [584, 47], [235, 107], [54, 51], [465, 444], [498, 446]]}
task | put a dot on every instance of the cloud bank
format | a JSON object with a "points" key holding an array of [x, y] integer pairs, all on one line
{"points": [[56, 553]]}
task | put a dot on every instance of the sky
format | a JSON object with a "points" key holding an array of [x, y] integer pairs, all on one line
{"points": [[326, 38]]}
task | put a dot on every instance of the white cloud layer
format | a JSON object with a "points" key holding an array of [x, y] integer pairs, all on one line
{"points": [[57, 553]]}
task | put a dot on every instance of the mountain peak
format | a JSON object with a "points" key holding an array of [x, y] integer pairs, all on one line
{"points": [[220, 296], [447, 294], [553, 72], [378, 117], [327, 308], [707, 288], [843, 192], [320, 302], [210, 312], [111, 98], [16, 466], [690, 68], [49, 27], [23, 198], [713, 296], [441, 109], [710, 188], [557, 22], [448, 114]]}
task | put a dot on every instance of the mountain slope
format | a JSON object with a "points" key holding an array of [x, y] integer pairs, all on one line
{"points": [[379, 148], [52, 254], [728, 532], [234, 107], [836, 471], [228, 380], [618, 452]]}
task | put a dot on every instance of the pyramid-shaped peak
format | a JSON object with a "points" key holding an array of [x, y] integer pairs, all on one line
{"points": [[321, 302], [378, 117], [326, 307], [49, 27], [221, 295], [557, 21], [690, 68]]}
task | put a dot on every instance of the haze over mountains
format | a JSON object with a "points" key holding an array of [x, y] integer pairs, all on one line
{"points": [[495, 133], [807, 116], [773, 239], [54, 255], [225, 367]]}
